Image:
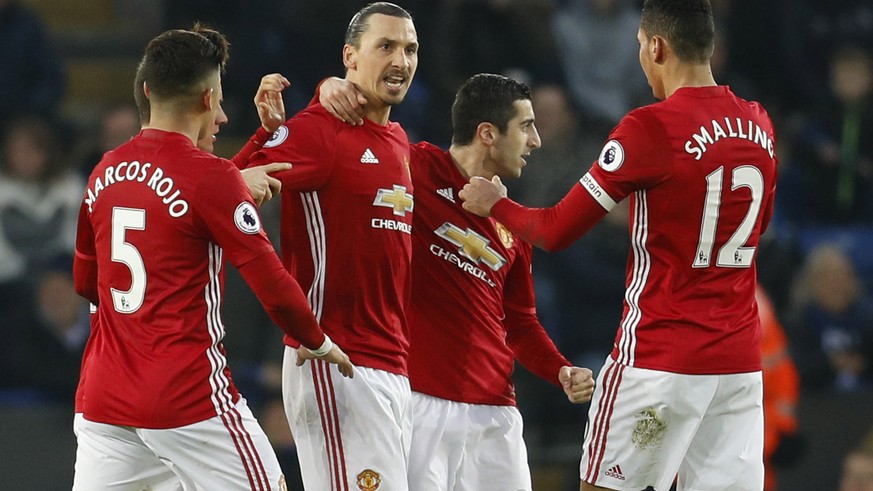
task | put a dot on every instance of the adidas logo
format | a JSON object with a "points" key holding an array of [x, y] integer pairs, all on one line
{"points": [[615, 471], [447, 194], [368, 157]]}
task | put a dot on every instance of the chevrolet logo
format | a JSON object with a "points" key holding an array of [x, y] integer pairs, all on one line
{"points": [[395, 198], [472, 245]]}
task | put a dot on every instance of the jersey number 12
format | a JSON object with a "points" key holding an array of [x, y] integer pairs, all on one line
{"points": [[734, 253]]}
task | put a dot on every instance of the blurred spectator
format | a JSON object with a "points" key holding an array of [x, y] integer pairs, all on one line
{"points": [[39, 205], [460, 38], [31, 77], [118, 124], [807, 32], [857, 473], [600, 57], [48, 339], [782, 445], [832, 327], [833, 151]]}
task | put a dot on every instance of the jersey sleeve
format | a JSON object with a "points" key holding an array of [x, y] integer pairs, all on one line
{"points": [[255, 143], [85, 259], [308, 142], [525, 336]]}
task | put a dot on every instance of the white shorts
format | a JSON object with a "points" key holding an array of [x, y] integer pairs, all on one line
{"points": [[647, 427], [227, 452], [351, 434], [466, 447]]}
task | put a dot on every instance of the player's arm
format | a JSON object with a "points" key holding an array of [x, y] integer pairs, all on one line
{"points": [[271, 111], [549, 228], [529, 341], [85, 259], [284, 301], [630, 160]]}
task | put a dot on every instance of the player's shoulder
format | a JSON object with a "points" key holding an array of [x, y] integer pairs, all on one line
{"points": [[426, 157], [425, 150], [319, 115]]}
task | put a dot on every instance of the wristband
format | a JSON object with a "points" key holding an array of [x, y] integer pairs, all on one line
{"points": [[325, 348]]}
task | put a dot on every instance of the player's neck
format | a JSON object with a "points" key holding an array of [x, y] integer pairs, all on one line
{"points": [[687, 75], [378, 115], [470, 161], [188, 126]]}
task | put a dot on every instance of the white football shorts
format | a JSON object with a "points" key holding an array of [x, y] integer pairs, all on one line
{"points": [[351, 434], [458, 446], [227, 452], [648, 427]]}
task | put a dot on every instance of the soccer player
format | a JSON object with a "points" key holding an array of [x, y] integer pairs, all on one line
{"points": [[346, 222], [681, 391], [159, 407], [464, 413]]}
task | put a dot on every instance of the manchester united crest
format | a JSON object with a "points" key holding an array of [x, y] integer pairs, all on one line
{"points": [[369, 480], [505, 235]]}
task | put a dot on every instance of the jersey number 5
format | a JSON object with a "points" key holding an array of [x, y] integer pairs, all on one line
{"points": [[124, 219], [734, 253]]}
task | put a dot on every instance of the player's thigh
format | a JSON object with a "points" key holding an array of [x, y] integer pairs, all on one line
{"points": [[640, 424], [356, 430], [495, 457], [114, 458], [227, 452], [727, 450], [439, 434]]}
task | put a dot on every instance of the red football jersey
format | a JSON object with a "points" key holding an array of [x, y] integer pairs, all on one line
{"points": [[346, 228], [472, 309], [158, 217], [700, 170]]}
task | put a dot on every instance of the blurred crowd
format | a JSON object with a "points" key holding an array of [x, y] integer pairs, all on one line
{"points": [[809, 62]]}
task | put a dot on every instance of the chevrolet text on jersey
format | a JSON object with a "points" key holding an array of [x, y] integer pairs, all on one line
{"points": [[746, 130], [134, 171]]}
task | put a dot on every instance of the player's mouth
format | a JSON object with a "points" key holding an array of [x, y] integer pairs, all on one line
{"points": [[395, 82]]}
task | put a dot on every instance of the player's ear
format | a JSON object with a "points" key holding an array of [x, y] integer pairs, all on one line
{"points": [[486, 133], [206, 99], [350, 57], [145, 89], [659, 48]]}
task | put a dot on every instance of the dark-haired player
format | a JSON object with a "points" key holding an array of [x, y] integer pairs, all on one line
{"points": [[346, 225], [681, 392], [159, 409]]}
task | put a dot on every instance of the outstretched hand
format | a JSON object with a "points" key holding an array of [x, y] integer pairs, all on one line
{"points": [[262, 186], [336, 356], [480, 194], [578, 383], [342, 99], [268, 101]]}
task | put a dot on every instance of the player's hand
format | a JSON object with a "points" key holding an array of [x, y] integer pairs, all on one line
{"points": [[343, 100], [336, 355], [480, 194], [262, 186], [268, 101], [578, 383]]}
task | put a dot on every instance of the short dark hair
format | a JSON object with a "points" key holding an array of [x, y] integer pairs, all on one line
{"points": [[176, 62], [358, 24], [485, 97], [687, 25]]}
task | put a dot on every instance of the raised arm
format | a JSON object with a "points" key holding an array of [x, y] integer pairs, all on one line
{"points": [[549, 228]]}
